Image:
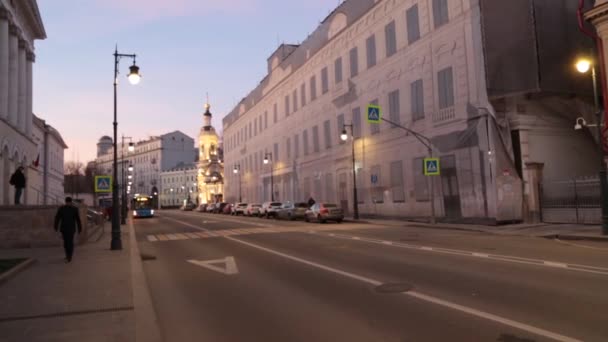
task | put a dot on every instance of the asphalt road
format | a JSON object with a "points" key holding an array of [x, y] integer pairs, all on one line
{"points": [[220, 278]]}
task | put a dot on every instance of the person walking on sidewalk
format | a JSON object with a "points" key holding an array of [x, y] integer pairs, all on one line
{"points": [[66, 221], [18, 181]]}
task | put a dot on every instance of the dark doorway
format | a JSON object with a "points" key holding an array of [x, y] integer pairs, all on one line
{"points": [[449, 187]]}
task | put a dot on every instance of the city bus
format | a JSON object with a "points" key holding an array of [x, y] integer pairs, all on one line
{"points": [[142, 206]]}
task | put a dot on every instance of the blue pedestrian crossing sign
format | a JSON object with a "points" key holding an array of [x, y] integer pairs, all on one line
{"points": [[374, 113], [103, 183], [431, 166]]}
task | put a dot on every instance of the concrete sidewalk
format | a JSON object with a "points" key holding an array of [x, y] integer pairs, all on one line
{"points": [[90, 299], [562, 231]]}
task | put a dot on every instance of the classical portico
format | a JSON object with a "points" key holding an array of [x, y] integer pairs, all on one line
{"points": [[20, 26]]}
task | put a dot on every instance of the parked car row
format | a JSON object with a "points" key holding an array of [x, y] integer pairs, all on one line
{"points": [[319, 212]]}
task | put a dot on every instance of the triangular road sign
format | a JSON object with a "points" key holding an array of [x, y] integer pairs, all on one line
{"points": [[431, 167], [228, 269]]}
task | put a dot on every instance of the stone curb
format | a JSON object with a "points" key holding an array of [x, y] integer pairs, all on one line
{"points": [[575, 237], [146, 321], [15, 270]]}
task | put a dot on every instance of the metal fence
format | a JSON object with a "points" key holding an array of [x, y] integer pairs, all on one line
{"points": [[571, 201]]}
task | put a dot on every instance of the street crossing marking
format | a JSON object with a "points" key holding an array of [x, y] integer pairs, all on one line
{"points": [[228, 269], [240, 231]]}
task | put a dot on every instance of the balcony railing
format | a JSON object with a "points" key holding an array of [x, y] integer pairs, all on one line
{"points": [[444, 115]]}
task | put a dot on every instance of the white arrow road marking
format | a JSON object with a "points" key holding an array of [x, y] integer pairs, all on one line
{"points": [[229, 269]]}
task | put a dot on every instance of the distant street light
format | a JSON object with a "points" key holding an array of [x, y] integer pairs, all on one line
{"points": [[237, 170], [134, 78], [267, 159], [583, 65], [344, 137]]}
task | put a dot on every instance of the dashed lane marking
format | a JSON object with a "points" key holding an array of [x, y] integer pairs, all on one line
{"points": [[497, 257], [152, 238]]}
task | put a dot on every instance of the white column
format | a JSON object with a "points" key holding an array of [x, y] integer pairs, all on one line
{"points": [[13, 93], [4, 35], [22, 86], [29, 100]]}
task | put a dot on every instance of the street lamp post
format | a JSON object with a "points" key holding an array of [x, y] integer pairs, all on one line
{"points": [[134, 78], [344, 137], [583, 66], [268, 159], [124, 213], [237, 169]]}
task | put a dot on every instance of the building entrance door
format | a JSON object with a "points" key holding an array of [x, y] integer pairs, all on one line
{"points": [[449, 187]]}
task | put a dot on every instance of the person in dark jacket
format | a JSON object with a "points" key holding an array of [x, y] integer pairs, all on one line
{"points": [[66, 221], [18, 181], [311, 202]]}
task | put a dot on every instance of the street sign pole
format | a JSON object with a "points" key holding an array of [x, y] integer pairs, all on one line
{"points": [[432, 191]]}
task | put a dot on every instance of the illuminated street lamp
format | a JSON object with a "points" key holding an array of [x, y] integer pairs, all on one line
{"points": [[130, 168], [344, 137], [267, 159], [237, 170], [134, 78], [583, 65]]}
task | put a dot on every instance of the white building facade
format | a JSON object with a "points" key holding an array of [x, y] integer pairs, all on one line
{"points": [[20, 26], [149, 159], [46, 183], [179, 186], [442, 68]]}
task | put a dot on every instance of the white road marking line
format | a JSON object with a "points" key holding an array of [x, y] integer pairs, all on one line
{"points": [[356, 238], [491, 317], [181, 236], [387, 243], [420, 296], [163, 237], [481, 255], [426, 248], [152, 238], [555, 264], [192, 235], [172, 236], [229, 262]]}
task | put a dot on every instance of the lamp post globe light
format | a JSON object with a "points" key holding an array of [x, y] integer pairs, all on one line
{"points": [[344, 137], [583, 65], [134, 77], [237, 170], [268, 159]]}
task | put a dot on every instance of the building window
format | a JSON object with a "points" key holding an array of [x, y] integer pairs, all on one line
{"points": [[440, 12], [338, 70], [313, 88], [421, 190], [303, 94], [315, 139], [340, 126], [324, 81], [374, 127], [356, 120], [327, 132], [276, 113], [394, 107], [294, 99], [260, 123], [354, 62], [361, 186], [446, 88], [296, 146], [377, 191], [255, 127], [287, 105], [370, 44], [397, 181], [417, 100], [265, 120], [391, 39], [305, 142], [288, 148], [275, 156], [413, 24], [250, 130]]}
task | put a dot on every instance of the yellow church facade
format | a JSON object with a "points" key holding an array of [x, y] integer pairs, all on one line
{"points": [[210, 164]]}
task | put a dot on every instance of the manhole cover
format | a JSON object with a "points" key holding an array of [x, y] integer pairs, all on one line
{"points": [[393, 288]]}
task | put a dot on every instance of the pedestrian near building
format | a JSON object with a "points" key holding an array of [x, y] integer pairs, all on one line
{"points": [[311, 202], [18, 181], [66, 221]]}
